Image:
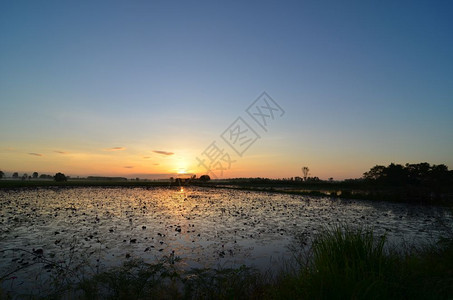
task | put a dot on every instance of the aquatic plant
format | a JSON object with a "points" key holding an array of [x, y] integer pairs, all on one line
{"points": [[341, 263]]}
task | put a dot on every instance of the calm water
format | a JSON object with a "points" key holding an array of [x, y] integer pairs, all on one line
{"points": [[103, 227]]}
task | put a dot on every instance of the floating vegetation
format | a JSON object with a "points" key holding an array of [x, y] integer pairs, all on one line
{"points": [[91, 230]]}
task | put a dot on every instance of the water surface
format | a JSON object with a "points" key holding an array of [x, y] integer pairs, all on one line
{"points": [[103, 227]]}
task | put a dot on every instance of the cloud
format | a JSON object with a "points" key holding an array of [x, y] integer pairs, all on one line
{"points": [[35, 154], [129, 167], [146, 157], [115, 149], [60, 152], [163, 152], [155, 164]]}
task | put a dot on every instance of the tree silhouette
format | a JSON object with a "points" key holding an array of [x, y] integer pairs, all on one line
{"points": [[15, 175], [60, 177], [35, 174], [396, 174], [374, 173], [422, 174], [417, 172], [205, 178], [305, 171], [1, 174]]}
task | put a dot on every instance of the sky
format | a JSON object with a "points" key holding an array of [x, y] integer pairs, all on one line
{"points": [[153, 89]]}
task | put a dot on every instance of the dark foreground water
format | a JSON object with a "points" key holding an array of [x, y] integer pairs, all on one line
{"points": [[98, 228]]}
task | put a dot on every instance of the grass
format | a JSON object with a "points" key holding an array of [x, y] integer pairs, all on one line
{"points": [[348, 264], [354, 264], [341, 263]]}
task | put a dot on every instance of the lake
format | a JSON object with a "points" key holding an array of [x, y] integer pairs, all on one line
{"points": [[98, 228]]}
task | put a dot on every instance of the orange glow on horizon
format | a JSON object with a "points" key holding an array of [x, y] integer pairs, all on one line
{"points": [[182, 171]]}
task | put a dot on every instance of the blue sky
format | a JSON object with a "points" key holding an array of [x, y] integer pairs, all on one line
{"points": [[362, 83]]}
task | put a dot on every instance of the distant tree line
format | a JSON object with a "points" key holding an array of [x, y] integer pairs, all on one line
{"points": [[106, 178], [422, 174], [45, 176], [57, 177]]}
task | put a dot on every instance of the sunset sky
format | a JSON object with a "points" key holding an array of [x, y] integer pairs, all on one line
{"points": [[143, 88]]}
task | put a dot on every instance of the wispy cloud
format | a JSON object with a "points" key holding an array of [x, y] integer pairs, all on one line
{"points": [[129, 167], [146, 157], [115, 149], [163, 152], [35, 154], [60, 152], [156, 164]]}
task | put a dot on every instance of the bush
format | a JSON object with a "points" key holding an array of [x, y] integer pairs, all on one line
{"points": [[60, 177]]}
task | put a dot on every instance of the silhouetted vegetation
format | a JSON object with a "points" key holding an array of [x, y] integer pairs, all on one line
{"points": [[305, 171], [204, 178], [2, 174], [356, 264], [422, 174], [59, 177], [45, 176], [413, 183], [105, 178]]}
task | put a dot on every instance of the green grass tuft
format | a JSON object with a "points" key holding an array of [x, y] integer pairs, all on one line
{"points": [[349, 264]]}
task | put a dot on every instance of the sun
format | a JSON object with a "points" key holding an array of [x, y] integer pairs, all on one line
{"points": [[182, 171], [182, 167]]}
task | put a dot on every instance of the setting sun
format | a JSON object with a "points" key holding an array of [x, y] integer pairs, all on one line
{"points": [[182, 171]]}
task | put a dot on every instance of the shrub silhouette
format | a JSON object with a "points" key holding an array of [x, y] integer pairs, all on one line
{"points": [[205, 178], [60, 177]]}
